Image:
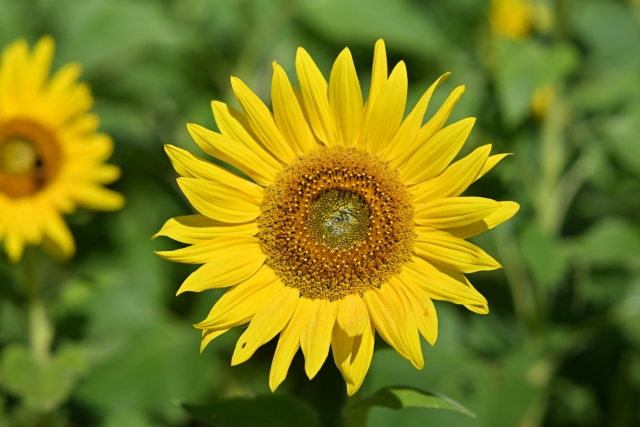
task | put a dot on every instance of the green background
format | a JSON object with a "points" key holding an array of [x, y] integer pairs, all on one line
{"points": [[561, 344]]}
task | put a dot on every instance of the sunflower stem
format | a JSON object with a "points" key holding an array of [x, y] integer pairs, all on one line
{"points": [[40, 329], [358, 417]]}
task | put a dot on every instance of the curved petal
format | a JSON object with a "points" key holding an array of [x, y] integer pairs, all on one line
{"points": [[352, 315], [410, 331], [345, 99], [233, 124], [453, 253], [454, 180], [394, 322], [379, 76], [388, 110], [191, 166], [315, 335], [505, 212], [361, 355], [433, 158], [233, 152], [262, 122], [490, 163], [288, 113], [288, 344], [404, 139], [314, 90], [266, 323], [218, 201], [431, 127], [454, 211], [229, 266], [198, 228], [209, 335], [437, 284], [239, 304], [425, 311]]}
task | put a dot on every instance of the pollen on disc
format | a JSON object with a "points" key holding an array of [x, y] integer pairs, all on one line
{"points": [[338, 221]]}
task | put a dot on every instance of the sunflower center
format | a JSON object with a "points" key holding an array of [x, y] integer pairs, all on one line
{"points": [[29, 157], [338, 218], [18, 157], [336, 222]]}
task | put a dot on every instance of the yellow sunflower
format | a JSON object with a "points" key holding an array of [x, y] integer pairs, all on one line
{"points": [[51, 156], [350, 221]]}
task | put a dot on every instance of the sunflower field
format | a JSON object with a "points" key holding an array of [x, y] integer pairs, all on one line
{"points": [[269, 213]]}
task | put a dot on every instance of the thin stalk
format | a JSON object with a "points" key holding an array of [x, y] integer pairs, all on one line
{"points": [[40, 329]]}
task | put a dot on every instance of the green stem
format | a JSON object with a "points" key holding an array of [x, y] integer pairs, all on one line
{"points": [[358, 417], [40, 329]]}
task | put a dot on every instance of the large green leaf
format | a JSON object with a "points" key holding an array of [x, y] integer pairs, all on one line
{"points": [[262, 411], [407, 397], [42, 384]]}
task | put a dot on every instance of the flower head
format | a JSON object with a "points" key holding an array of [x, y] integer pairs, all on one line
{"points": [[51, 156], [350, 224]]}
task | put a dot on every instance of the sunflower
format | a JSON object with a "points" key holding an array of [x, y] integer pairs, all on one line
{"points": [[51, 156], [348, 224]]}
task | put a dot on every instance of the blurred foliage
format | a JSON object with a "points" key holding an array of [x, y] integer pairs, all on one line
{"points": [[561, 346]]}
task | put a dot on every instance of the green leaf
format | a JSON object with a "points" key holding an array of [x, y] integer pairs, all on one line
{"points": [[262, 411], [43, 384], [406, 397]]}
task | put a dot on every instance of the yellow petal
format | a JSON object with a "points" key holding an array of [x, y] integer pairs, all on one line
{"points": [[342, 347], [361, 355], [92, 196], [437, 284], [453, 253], [387, 311], [425, 311], [454, 180], [57, 231], [219, 201], [490, 163], [506, 211], [203, 252], [240, 303], [233, 152], [454, 211], [266, 324], [409, 330], [230, 265], [40, 66], [314, 90], [288, 113], [345, 99], [405, 139], [233, 124], [482, 308], [209, 335], [388, 110], [198, 228], [14, 246], [379, 76], [262, 122], [192, 166], [288, 344], [352, 315], [433, 158], [315, 335], [430, 128]]}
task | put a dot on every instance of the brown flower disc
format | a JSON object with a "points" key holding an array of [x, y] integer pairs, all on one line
{"points": [[337, 221]]}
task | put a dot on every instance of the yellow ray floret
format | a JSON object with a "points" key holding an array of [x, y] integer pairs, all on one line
{"points": [[352, 222]]}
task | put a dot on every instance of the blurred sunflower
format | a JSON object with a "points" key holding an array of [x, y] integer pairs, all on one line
{"points": [[51, 157], [350, 223]]}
